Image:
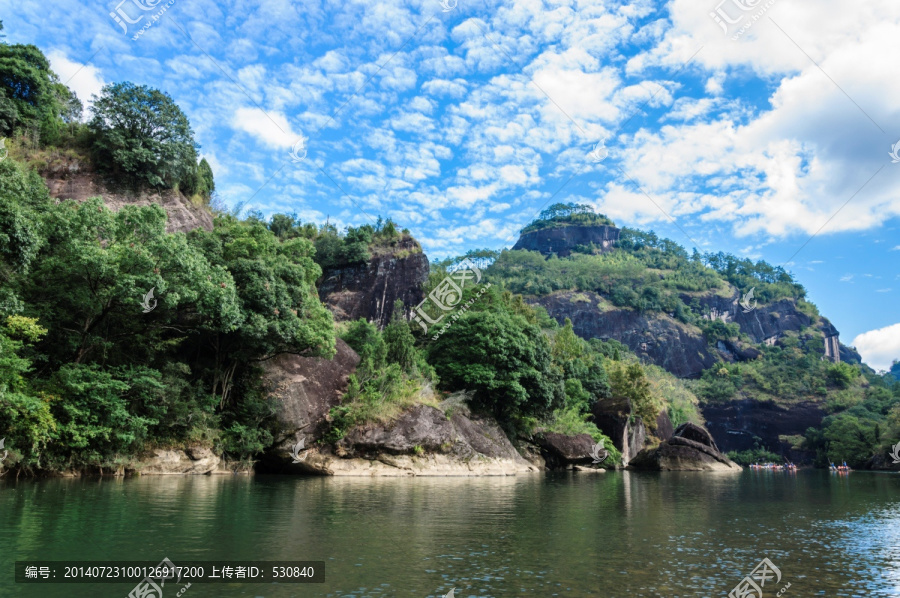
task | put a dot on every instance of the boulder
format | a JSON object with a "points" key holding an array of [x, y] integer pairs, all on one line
{"points": [[882, 462], [561, 451], [424, 441], [694, 433], [615, 419], [423, 428], [692, 448], [304, 390], [192, 460]]}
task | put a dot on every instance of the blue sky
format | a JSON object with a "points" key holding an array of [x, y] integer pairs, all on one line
{"points": [[767, 136]]}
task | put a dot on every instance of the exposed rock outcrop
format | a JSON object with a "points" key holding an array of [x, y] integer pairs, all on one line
{"points": [[764, 322], [73, 178], [192, 460], [615, 418], [421, 442], [562, 240], [305, 389], [882, 462], [370, 290], [561, 451], [739, 425], [658, 338], [692, 448]]}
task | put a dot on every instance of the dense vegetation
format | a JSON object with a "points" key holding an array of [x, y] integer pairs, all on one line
{"points": [[567, 214], [651, 274], [86, 378], [117, 336]]}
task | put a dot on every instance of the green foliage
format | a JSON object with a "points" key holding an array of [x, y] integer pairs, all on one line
{"points": [[142, 136], [620, 276], [388, 379], [769, 282], [784, 374], [681, 404], [31, 96], [757, 455], [842, 375], [335, 251], [98, 411], [399, 340], [23, 196], [503, 359], [571, 421], [856, 433], [628, 381], [570, 214], [112, 379]]}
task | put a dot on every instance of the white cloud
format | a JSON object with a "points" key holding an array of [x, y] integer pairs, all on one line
{"points": [[272, 128], [789, 165], [84, 79], [879, 347]]}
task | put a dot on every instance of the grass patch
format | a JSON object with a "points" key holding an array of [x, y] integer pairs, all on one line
{"points": [[572, 422]]}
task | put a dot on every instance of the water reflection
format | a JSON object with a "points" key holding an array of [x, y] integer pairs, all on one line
{"points": [[614, 534]]}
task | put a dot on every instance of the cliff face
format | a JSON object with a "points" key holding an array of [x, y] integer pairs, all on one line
{"points": [[71, 178], [369, 290], [563, 239], [735, 424], [664, 341], [306, 388]]}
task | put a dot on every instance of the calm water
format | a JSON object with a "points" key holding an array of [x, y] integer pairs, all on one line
{"points": [[613, 535]]}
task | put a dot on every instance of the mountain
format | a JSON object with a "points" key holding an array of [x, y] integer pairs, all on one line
{"points": [[144, 329], [764, 363]]}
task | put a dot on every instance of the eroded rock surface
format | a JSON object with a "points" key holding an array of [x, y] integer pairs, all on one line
{"points": [[72, 178], [421, 442], [305, 389], [192, 460], [692, 448], [370, 290], [658, 338]]}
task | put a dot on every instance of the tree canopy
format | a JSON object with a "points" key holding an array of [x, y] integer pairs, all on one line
{"points": [[141, 135]]}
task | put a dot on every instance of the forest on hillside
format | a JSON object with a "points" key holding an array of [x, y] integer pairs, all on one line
{"points": [[117, 336]]}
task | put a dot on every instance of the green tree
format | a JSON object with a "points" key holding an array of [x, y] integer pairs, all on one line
{"points": [[399, 340], [842, 375], [502, 358], [364, 338], [141, 135], [629, 382]]}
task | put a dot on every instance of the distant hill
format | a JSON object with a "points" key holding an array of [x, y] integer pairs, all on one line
{"points": [[894, 372]]}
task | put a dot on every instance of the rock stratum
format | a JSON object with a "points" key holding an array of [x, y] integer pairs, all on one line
{"points": [[73, 178], [369, 290], [562, 240]]}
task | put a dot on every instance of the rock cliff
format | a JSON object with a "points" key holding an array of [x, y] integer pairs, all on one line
{"points": [[304, 389], [655, 337], [73, 178], [561, 240], [369, 290], [739, 425]]}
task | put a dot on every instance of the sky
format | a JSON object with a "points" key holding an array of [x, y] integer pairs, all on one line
{"points": [[763, 128]]}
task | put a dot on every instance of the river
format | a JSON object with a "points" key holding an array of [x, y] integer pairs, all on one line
{"points": [[615, 535]]}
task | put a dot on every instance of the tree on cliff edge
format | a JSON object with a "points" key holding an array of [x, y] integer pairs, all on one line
{"points": [[142, 135]]}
